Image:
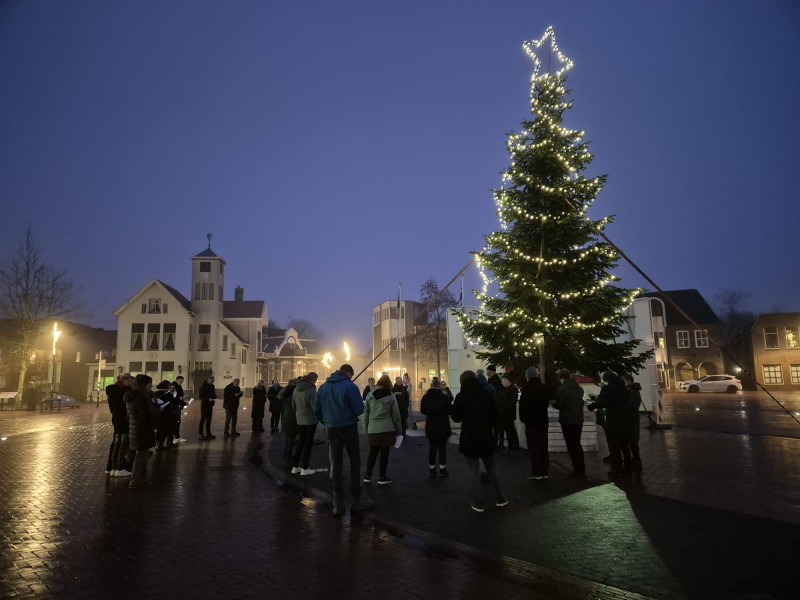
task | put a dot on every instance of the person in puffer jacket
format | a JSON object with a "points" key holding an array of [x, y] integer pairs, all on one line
{"points": [[303, 407], [382, 424]]}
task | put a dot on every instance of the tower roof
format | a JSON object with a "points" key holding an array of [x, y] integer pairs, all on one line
{"points": [[207, 253]]}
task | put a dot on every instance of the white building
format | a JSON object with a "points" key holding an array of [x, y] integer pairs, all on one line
{"points": [[163, 334]]}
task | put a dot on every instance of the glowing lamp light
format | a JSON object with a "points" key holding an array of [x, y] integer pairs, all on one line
{"points": [[327, 358], [3, 439], [346, 347]]}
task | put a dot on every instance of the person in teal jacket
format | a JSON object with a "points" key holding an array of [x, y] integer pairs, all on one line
{"points": [[383, 424], [337, 407]]}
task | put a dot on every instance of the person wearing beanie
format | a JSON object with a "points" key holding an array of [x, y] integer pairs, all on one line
{"points": [[533, 404]]}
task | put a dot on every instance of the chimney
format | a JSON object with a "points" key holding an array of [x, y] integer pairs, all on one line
{"points": [[238, 293]]}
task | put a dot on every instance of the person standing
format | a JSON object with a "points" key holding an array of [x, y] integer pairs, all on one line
{"points": [[569, 403], [288, 423], [178, 383], [533, 404], [477, 412], [382, 423], [338, 406], [400, 392], [506, 424], [303, 399], [274, 406], [368, 388], [259, 402], [120, 454], [436, 406], [409, 390], [635, 400], [208, 397], [230, 402], [142, 419], [615, 399]]}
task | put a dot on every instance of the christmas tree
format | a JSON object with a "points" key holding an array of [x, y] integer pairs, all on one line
{"points": [[548, 297]]}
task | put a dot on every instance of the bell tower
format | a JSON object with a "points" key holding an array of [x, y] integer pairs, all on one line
{"points": [[208, 283]]}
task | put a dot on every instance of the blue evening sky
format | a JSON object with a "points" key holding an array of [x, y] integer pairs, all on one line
{"points": [[335, 149]]}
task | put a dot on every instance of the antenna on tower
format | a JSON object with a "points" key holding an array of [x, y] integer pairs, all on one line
{"points": [[209, 236]]}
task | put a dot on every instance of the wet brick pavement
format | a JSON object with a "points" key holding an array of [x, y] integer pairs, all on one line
{"points": [[212, 524]]}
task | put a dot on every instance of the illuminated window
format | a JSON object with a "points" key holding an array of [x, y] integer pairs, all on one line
{"points": [[136, 368], [772, 374], [203, 338], [169, 336], [658, 339], [683, 339], [794, 372], [793, 337], [153, 336], [771, 338], [701, 338], [137, 336]]}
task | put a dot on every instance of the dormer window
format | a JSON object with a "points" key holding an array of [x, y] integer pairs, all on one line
{"points": [[154, 306]]}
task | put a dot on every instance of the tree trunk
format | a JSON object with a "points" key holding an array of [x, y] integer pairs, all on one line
{"points": [[23, 373]]}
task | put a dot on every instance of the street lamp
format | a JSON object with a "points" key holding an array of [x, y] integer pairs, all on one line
{"points": [[56, 335]]}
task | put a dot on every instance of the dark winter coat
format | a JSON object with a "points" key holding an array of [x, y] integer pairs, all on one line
{"points": [[436, 407], [116, 404], [142, 419], [569, 403], [230, 396], [477, 412], [635, 391], [615, 399], [274, 401], [507, 398], [288, 419], [207, 392], [259, 402], [534, 400]]}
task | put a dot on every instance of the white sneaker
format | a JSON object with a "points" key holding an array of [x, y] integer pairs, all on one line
{"points": [[308, 471], [180, 441], [296, 470], [111, 473], [123, 473]]}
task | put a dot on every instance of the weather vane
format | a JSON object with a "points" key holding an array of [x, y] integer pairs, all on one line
{"points": [[532, 47]]}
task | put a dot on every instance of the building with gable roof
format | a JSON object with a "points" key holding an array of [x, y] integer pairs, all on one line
{"points": [[164, 334], [285, 356]]}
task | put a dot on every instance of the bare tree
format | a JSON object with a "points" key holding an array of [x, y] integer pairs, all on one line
{"points": [[733, 319], [429, 340], [307, 329], [32, 294]]}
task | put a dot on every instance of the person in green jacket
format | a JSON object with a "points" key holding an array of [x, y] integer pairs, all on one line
{"points": [[382, 424]]}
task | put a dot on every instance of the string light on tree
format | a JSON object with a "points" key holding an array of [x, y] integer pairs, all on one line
{"points": [[547, 294]]}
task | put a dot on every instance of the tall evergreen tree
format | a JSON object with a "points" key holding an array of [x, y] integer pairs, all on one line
{"points": [[548, 296]]}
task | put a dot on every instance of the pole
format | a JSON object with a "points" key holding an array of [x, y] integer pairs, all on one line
{"points": [[399, 333]]}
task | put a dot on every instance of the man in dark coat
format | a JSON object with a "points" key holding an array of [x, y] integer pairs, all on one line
{"points": [[142, 418], [506, 422], [181, 401], [230, 402], [208, 397], [400, 392], [275, 406], [119, 459], [615, 399], [635, 400], [436, 407], [534, 401], [477, 412], [259, 402], [569, 403]]}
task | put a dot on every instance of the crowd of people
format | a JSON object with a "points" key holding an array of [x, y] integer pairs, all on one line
{"points": [[487, 407]]}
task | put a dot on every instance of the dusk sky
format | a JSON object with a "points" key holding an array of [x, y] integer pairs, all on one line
{"points": [[336, 149]]}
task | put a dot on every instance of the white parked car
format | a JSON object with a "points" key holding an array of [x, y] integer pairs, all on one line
{"points": [[712, 383]]}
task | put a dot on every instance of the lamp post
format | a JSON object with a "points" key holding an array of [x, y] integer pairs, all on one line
{"points": [[56, 335]]}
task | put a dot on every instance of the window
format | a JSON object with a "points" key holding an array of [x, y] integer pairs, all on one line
{"points": [[210, 291], [683, 339], [153, 336], [205, 292], [78, 357], [220, 291], [771, 338], [656, 309], [168, 371], [164, 308], [701, 338], [233, 350], [772, 374], [137, 333], [203, 339], [197, 289], [244, 356], [154, 306], [169, 336], [136, 368], [205, 266], [224, 343], [151, 369], [793, 337], [658, 339], [794, 372], [144, 308]]}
